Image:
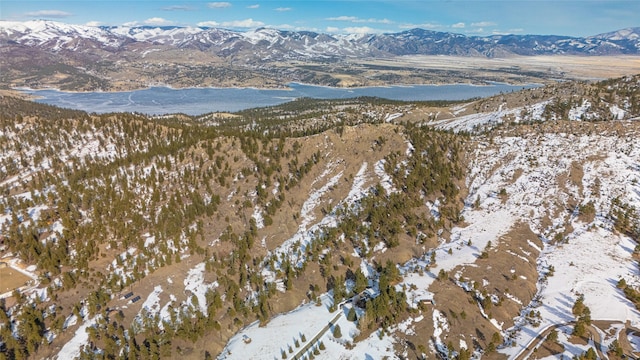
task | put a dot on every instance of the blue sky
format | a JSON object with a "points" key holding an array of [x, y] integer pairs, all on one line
{"points": [[470, 17]]}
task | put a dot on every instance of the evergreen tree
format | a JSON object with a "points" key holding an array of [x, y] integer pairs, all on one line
{"points": [[351, 316], [337, 333]]}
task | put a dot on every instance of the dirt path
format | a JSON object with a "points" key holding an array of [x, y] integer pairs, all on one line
{"points": [[594, 335], [623, 339], [300, 354], [539, 339]]}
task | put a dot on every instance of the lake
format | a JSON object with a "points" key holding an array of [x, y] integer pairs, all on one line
{"points": [[196, 101]]}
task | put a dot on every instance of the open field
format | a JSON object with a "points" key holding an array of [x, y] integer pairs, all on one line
{"points": [[11, 279], [518, 67], [587, 67], [181, 72]]}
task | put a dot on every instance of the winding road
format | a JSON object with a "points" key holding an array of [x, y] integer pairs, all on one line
{"points": [[593, 333], [542, 335]]}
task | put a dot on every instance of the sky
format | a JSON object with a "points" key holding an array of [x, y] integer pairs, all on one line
{"points": [[469, 17]]}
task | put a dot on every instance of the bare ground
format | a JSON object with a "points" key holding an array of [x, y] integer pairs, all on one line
{"points": [[11, 279]]}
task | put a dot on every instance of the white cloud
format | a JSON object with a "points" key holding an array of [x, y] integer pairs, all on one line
{"points": [[281, 9], [429, 26], [158, 21], [208, 24], [483, 24], [354, 19], [131, 23], [255, 6], [49, 13], [475, 31], [283, 27], [508, 32], [177, 8], [361, 30], [219, 5], [246, 23], [93, 23], [332, 29], [376, 21], [342, 18], [459, 25], [292, 28]]}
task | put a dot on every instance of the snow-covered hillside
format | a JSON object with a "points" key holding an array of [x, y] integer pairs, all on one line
{"points": [[372, 237], [589, 256], [584, 102]]}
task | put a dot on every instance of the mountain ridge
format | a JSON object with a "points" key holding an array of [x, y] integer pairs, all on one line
{"points": [[46, 54], [413, 41]]}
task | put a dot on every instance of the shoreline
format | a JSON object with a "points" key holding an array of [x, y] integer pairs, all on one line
{"points": [[29, 92], [192, 101]]}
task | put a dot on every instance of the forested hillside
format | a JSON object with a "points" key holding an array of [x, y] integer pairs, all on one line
{"points": [[158, 237]]}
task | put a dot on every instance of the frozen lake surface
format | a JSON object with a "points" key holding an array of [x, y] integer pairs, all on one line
{"points": [[196, 101]]}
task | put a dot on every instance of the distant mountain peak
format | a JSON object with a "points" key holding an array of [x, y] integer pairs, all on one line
{"points": [[90, 57], [307, 44], [632, 33]]}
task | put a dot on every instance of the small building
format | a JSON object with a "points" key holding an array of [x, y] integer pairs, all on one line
{"points": [[135, 299], [246, 339], [427, 301], [369, 294]]}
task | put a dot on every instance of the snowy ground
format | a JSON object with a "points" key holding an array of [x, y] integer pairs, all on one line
{"points": [[589, 261], [530, 170], [71, 350], [194, 285], [283, 332], [480, 121], [570, 349], [593, 257], [482, 229], [294, 248]]}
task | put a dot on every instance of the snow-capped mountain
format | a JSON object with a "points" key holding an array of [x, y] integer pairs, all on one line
{"points": [[272, 44], [174, 36], [40, 54], [263, 43], [56, 35], [629, 38]]}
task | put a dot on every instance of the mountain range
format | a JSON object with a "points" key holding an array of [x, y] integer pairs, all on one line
{"points": [[272, 44], [41, 54]]}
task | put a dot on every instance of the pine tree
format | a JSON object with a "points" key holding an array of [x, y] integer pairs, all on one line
{"points": [[615, 348], [352, 316], [591, 354], [361, 282], [337, 333]]}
